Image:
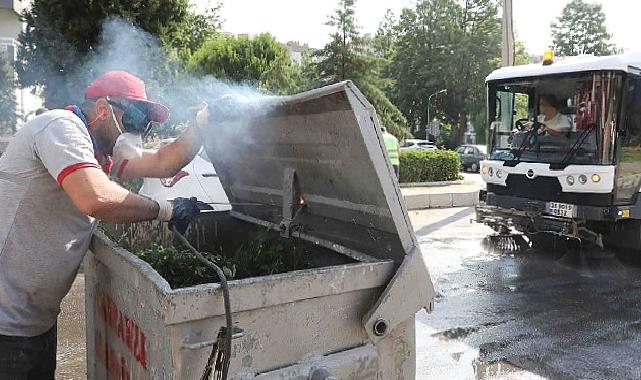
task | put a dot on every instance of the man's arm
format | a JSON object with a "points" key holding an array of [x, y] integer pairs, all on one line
{"points": [[166, 161], [94, 194]]}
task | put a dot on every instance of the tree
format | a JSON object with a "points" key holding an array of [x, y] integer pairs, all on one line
{"points": [[195, 30], [384, 42], [61, 38], [259, 61], [349, 56], [445, 44], [8, 117], [581, 30]]}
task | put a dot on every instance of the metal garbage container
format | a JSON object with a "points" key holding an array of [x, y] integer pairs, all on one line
{"points": [[317, 164]]}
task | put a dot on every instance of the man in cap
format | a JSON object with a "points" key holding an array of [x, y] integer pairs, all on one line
{"points": [[54, 185]]}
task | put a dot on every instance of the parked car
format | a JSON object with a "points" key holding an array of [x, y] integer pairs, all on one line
{"points": [[471, 156], [197, 179], [410, 144]]}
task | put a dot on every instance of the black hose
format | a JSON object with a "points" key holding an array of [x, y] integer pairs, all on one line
{"points": [[226, 299]]}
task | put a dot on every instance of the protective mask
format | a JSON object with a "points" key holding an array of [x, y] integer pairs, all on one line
{"points": [[128, 147]]}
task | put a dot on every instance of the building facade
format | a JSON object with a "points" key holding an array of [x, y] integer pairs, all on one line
{"points": [[10, 27]]}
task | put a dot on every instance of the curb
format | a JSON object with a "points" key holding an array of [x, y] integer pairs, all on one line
{"points": [[431, 184], [441, 200]]}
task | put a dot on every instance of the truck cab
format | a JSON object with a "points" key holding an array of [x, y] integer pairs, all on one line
{"points": [[564, 149]]}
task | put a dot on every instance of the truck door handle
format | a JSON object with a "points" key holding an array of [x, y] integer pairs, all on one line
{"points": [[208, 175]]}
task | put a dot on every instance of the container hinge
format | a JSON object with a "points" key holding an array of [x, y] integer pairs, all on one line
{"points": [[293, 202], [409, 291]]}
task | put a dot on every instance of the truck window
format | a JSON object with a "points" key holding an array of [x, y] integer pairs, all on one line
{"points": [[629, 162], [521, 106]]}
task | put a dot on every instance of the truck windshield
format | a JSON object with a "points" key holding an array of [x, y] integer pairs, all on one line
{"points": [[559, 120]]}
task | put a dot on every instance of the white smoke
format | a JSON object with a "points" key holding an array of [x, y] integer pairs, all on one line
{"points": [[123, 46]]}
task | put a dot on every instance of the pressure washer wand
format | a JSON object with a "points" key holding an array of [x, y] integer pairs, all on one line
{"points": [[221, 363], [233, 204]]}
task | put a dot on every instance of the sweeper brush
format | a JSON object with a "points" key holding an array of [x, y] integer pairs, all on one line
{"points": [[505, 243]]}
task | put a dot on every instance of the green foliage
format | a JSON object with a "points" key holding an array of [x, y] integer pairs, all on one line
{"points": [[267, 254], [344, 56], [259, 61], [8, 117], [581, 29], [389, 116], [445, 44], [350, 56], [61, 36], [182, 269], [429, 165], [195, 29], [262, 255]]}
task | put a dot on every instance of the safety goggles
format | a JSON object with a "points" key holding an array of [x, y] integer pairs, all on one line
{"points": [[135, 117]]}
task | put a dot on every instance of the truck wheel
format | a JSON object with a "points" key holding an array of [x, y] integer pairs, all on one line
{"points": [[474, 168]]}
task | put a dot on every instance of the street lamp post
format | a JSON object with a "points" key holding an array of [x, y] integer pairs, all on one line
{"points": [[429, 101]]}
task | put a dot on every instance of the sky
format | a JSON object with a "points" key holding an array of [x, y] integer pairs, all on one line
{"points": [[302, 20]]}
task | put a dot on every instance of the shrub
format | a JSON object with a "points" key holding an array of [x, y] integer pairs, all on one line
{"points": [[429, 165]]}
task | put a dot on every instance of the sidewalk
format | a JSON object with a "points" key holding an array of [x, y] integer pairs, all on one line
{"points": [[466, 194]]}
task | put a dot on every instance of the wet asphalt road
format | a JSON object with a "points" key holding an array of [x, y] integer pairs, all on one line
{"points": [[523, 316], [529, 315]]}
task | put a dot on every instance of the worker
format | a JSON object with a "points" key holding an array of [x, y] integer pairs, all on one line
{"points": [[54, 186], [393, 150]]}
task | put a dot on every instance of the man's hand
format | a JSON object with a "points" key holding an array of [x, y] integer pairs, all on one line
{"points": [[184, 211], [201, 120]]}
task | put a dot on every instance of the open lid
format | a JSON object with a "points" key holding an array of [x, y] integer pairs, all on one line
{"points": [[317, 165]]}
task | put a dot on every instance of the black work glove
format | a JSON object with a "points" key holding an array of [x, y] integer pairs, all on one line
{"points": [[184, 210]]}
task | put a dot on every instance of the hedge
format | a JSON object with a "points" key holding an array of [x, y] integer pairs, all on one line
{"points": [[429, 165]]}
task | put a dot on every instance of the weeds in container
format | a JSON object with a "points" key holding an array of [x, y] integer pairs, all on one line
{"points": [[181, 269], [262, 255]]}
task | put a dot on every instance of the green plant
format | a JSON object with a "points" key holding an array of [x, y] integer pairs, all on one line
{"points": [[263, 254], [428, 166], [182, 269]]}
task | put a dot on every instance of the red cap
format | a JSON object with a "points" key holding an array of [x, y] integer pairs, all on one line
{"points": [[124, 85]]}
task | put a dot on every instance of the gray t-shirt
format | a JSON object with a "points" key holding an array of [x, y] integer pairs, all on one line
{"points": [[43, 236]]}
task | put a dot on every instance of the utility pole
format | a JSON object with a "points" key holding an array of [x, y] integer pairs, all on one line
{"points": [[429, 101], [507, 53]]}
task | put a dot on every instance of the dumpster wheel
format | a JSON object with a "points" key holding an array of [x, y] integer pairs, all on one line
{"points": [[220, 356]]}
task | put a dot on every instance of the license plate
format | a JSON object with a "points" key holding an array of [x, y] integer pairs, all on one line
{"points": [[560, 209]]}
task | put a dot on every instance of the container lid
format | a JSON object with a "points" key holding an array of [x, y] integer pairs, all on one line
{"points": [[313, 166]]}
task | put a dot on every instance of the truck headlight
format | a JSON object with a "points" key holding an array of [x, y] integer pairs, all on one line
{"points": [[596, 178], [490, 171], [499, 173], [583, 179], [570, 180], [484, 170]]}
